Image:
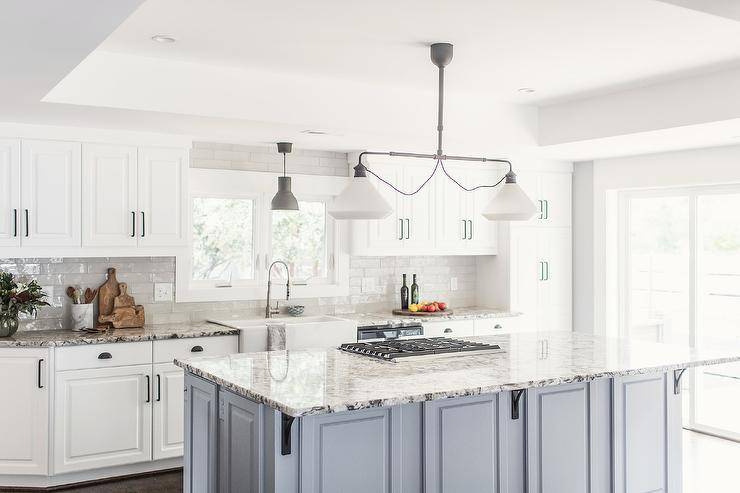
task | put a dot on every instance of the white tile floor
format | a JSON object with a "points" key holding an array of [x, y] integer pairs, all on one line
{"points": [[710, 465]]}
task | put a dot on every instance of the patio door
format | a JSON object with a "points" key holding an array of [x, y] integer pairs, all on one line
{"points": [[680, 283]]}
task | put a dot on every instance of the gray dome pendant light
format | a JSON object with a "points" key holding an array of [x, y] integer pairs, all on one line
{"points": [[361, 200], [284, 200]]}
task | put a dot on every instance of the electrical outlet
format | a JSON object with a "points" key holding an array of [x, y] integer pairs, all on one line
{"points": [[368, 285], [162, 291], [453, 283]]}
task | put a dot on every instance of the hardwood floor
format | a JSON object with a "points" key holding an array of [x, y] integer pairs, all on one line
{"points": [[167, 482]]}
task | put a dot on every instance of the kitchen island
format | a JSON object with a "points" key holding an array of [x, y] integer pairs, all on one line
{"points": [[555, 412]]}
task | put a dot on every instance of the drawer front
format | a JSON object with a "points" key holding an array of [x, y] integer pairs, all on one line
{"points": [[449, 328], [493, 326], [103, 355], [167, 350]]}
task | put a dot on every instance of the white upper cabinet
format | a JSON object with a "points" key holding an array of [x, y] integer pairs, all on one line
{"points": [[441, 219], [551, 194], [50, 195], [10, 192], [162, 196], [109, 195]]}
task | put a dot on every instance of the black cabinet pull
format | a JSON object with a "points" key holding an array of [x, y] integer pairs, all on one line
{"points": [[497, 326], [408, 228], [26, 210], [196, 349], [159, 387], [401, 237], [15, 222], [133, 224], [105, 355], [143, 224], [547, 209], [465, 229], [40, 384], [148, 389], [448, 331], [471, 229]]}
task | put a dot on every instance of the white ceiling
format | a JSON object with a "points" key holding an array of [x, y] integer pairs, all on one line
{"points": [[256, 71]]}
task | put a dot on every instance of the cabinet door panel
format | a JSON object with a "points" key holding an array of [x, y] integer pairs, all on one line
{"points": [[10, 192], [103, 417], [642, 405], [555, 190], [555, 289], [50, 179], [168, 424], [24, 414], [241, 442], [162, 175], [384, 235], [461, 445], [200, 474], [451, 228], [109, 195], [420, 214], [558, 439], [484, 234], [525, 274]]}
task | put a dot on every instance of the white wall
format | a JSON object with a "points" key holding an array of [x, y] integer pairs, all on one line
{"points": [[583, 246], [716, 165]]}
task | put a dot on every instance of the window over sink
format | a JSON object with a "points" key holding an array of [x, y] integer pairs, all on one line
{"points": [[234, 237]]}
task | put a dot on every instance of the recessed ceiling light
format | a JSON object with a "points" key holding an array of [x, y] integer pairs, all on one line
{"points": [[314, 132], [163, 38], [525, 90]]}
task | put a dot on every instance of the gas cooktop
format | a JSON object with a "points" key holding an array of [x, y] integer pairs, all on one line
{"points": [[428, 346]]}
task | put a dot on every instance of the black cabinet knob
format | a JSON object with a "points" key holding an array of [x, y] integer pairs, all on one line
{"points": [[105, 356], [196, 349]]}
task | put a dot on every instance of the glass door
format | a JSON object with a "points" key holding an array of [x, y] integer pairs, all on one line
{"points": [[680, 283], [715, 390]]}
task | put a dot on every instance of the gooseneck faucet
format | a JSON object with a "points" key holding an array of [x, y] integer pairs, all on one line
{"points": [[269, 312]]}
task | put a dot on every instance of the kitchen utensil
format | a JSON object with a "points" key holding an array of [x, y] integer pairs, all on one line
{"points": [[90, 295], [71, 293]]}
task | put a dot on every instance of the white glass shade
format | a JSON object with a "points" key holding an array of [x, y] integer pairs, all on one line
{"points": [[509, 203], [360, 200]]}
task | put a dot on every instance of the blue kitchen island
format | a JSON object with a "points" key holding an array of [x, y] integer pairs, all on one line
{"points": [[554, 412]]}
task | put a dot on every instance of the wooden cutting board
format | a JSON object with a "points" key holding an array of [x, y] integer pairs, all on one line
{"points": [[407, 313]]}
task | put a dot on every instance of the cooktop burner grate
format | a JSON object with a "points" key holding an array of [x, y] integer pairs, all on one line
{"points": [[428, 346]]}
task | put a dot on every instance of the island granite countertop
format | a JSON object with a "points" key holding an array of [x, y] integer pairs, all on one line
{"points": [[60, 337], [311, 382], [463, 313]]}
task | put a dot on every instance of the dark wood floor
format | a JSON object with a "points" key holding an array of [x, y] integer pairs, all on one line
{"points": [[167, 482]]}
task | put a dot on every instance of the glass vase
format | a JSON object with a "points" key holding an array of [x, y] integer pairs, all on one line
{"points": [[8, 324]]}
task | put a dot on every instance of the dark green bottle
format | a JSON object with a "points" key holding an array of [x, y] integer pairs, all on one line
{"points": [[404, 295], [414, 291]]}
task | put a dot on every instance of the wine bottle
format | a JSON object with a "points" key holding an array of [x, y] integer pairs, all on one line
{"points": [[404, 295], [414, 291]]}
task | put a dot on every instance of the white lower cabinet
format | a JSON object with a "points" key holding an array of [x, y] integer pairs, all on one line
{"points": [[167, 439], [24, 411], [102, 417]]}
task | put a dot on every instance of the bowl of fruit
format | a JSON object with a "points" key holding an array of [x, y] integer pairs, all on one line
{"points": [[426, 308]]}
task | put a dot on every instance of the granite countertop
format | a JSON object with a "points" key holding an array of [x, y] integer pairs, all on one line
{"points": [[311, 382], [464, 313], [56, 338]]}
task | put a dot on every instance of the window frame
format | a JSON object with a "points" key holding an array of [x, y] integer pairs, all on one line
{"points": [[260, 186]]}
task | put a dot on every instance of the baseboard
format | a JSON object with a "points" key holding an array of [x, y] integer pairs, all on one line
{"points": [[50, 483]]}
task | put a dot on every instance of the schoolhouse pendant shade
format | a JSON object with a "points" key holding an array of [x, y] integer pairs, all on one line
{"points": [[360, 200], [509, 203]]}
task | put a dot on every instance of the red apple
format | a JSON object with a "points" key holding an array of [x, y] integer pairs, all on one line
{"points": [[432, 308], [442, 305]]}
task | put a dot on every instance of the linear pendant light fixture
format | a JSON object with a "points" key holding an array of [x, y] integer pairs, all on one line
{"points": [[284, 200], [361, 200]]}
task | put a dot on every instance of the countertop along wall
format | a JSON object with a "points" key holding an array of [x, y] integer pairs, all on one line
{"points": [[141, 273]]}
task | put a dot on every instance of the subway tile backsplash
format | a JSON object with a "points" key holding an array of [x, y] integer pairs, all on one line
{"points": [[383, 274]]}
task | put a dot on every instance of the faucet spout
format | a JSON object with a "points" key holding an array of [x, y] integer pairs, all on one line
{"points": [[270, 311]]}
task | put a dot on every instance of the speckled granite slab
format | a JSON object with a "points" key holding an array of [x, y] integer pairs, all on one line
{"points": [[311, 382], [54, 338], [465, 313]]}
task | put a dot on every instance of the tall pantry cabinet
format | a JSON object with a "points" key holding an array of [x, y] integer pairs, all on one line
{"points": [[532, 272]]}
